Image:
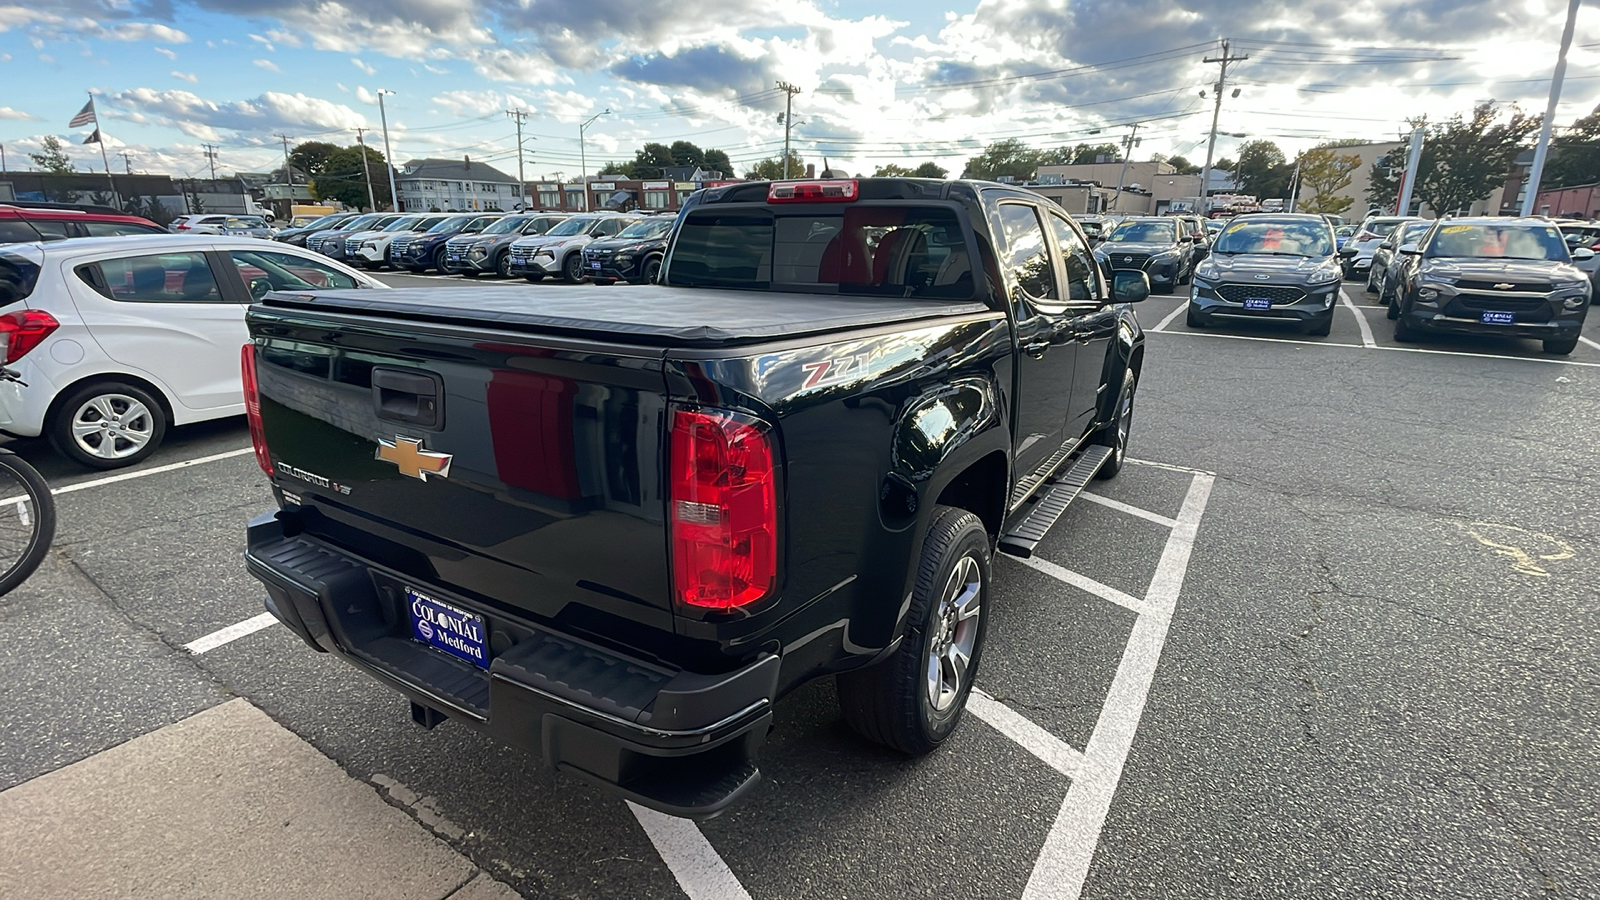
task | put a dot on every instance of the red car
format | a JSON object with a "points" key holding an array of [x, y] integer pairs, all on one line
{"points": [[25, 222]]}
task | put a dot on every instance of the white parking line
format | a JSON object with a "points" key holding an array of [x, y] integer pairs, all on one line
{"points": [[230, 634], [1083, 583], [129, 476], [693, 861], [1051, 750], [1361, 321], [1161, 325], [1532, 359], [1063, 864], [1119, 506], [1251, 337], [1589, 342], [1168, 466], [1274, 340]]}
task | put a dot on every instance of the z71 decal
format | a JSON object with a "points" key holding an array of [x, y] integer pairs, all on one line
{"points": [[833, 371]]}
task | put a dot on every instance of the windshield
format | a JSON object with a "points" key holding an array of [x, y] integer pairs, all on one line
{"points": [[571, 226], [898, 251], [1144, 233], [1382, 227], [1498, 242], [454, 223], [327, 220], [506, 225], [404, 223], [359, 223], [1344, 231], [647, 229], [1412, 231], [1311, 239]]}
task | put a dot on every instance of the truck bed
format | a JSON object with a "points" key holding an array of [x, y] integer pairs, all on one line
{"points": [[655, 315]]}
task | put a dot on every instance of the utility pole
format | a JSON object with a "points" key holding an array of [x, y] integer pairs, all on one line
{"points": [[127, 162], [211, 156], [1294, 185], [583, 155], [366, 167], [2, 157], [1540, 150], [388, 155], [1216, 113], [1128, 143], [1409, 178], [788, 119], [519, 116]]}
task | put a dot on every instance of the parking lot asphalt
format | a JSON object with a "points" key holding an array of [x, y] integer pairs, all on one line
{"points": [[1358, 660]]}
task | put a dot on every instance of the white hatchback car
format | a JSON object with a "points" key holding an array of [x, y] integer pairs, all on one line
{"points": [[115, 339]]}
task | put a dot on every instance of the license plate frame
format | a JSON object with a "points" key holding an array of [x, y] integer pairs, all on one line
{"points": [[1497, 317], [447, 628], [1257, 303]]}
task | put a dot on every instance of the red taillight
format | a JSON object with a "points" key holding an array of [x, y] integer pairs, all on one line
{"points": [[181, 226], [1366, 236], [723, 492], [812, 191], [23, 330], [252, 407]]}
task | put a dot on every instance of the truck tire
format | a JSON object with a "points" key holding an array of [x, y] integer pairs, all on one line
{"points": [[108, 425], [912, 701], [1114, 434]]}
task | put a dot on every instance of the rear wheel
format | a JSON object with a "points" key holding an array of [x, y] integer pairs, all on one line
{"points": [[1561, 348], [108, 425], [912, 700]]}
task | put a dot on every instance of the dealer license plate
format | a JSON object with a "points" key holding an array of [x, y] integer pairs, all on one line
{"points": [[453, 257], [444, 627], [1257, 303], [595, 266], [1492, 317]]}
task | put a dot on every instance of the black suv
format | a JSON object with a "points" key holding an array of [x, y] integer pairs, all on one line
{"points": [[1511, 277], [426, 250], [1160, 246], [634, 255], [1279, 266]]}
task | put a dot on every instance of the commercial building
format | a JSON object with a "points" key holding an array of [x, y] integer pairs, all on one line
{"points": [[454, 185]]}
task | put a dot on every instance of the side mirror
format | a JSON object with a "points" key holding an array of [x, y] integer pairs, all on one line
{"points": [[1129, 286], [1582, 254], [1186, 240], [1348, 251], [1411, 250]]}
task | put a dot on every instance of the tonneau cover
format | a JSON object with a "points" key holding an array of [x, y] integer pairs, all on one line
{"points": [[648, 314]]}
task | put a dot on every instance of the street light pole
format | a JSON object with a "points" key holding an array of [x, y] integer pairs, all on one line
{"points": [[366, 169], [583, 155], [1536, 171], [388, 155]]}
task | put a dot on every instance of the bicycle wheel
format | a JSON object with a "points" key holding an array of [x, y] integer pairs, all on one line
{"points": [[27, 520]]}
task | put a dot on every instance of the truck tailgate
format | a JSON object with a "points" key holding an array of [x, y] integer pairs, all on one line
{"points": [[521, 471]]}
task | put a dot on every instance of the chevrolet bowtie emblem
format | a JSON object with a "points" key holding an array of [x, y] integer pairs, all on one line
{"points": [[413, 461], [1504, 287]]}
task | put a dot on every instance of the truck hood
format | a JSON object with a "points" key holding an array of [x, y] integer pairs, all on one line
{"points": [[1115, 248], [1261, 267], [1514, 270]]}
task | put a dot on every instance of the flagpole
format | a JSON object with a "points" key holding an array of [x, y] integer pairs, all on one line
{"points": [[116, 198]]}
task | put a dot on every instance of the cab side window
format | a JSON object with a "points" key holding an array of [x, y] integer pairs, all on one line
{"points": [[1027, 254], [1076, 259], [158, 278]]}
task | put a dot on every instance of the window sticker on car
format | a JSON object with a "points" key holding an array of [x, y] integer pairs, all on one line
{"points": [[1455, 229]]}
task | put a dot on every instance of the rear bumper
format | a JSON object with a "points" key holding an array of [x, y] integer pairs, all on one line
{"points": [[681, 742]]}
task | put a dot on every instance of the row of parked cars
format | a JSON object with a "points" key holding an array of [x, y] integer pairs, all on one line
{"points": [[602, 246]]}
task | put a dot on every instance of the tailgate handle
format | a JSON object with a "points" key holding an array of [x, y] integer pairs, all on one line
{"points": [[411, 397]]}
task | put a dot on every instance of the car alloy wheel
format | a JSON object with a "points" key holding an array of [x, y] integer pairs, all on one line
{"points": [[954, 634], [112, 426]]}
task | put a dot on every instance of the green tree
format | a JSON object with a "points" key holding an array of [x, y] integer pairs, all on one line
{"points": [[1009, 157], [625, 169], [771, 169], [1575, 154], [1183, 166], [1383, 180], [52, 158], [892, 170], [342, 177], [1262, 170], [651, 161], [1466, 157], [930, 169], [717, 161], [685, 153], [310, 158], [1327, 173]]}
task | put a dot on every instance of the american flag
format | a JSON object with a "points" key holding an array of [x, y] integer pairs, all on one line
{"points": [[85, 116]]}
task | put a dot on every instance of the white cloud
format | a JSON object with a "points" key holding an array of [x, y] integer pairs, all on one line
{"points": [[263, 42], [144, 31], [365, 96], [186, 76], [465, 103], [205, 119], [363, 66], [267, 64], [167, 53], [568, 104], [7, 112]]}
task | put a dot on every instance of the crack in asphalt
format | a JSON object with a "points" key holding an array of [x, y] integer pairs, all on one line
{"points": [[1525, 848]]}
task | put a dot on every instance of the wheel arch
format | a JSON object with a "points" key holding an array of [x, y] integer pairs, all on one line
{"points": [[60, 399]]}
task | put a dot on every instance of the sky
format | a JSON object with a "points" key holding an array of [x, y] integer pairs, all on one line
{"points": [[881, 81]]}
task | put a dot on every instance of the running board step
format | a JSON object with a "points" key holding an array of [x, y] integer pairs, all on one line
{"points": [[1021, 540]]}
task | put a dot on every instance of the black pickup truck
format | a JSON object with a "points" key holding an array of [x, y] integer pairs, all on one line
{"points": [[615, 530]]}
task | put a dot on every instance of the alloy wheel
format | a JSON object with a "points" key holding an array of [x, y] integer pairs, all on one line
{"points": [[112, 426], [954, 634]]}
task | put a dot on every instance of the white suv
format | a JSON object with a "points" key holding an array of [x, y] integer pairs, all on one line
{"points": [[559, 251], [117, 338], [372, 250]]}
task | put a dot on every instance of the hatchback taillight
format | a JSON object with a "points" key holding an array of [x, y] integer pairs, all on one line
{"points": [[724, 509], [24, 330], [252, 407]]}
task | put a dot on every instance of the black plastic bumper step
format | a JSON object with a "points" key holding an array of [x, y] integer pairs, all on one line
{"points": [[1021, 540]]}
